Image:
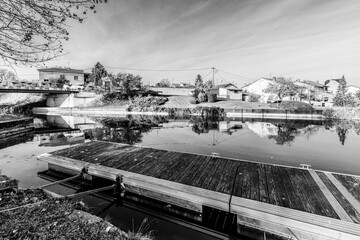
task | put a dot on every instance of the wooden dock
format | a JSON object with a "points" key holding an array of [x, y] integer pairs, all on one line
{"points": [[292, 202]]}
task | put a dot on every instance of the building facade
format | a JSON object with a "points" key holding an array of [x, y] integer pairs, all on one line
{"points": [[73, 76]]}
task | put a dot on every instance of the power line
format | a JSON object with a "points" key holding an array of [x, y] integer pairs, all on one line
{"points": [[235, 75], [159, 70]]}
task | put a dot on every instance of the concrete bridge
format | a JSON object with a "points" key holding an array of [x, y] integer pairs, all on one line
{"points": [[38, 90], [56, 97]]}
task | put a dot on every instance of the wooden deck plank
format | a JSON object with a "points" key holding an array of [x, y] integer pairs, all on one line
{"points": [[242, 182], [150, 168], [181, 167], [263, 185], [294, 198], [190, 170], [138, 158], [332, 200], [227, 179], [164, 169], [196, 173], [254, 182], [345, 204], [151, 156], [217, 174], [272, 193], [212, 172], [116, 158], [279, 188], [213, 163], [304, 192]]}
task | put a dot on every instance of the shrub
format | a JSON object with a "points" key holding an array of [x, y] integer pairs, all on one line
{"points": [[193, 101], [202, 97], [328, 112], [212, 97], [294, 105]]}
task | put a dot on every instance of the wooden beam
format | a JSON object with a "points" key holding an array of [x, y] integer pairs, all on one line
{"points": [[352, 200], [297, 221], [332, 200]]}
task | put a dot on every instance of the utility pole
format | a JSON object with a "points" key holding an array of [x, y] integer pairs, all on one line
{"points": [[213, 76]]}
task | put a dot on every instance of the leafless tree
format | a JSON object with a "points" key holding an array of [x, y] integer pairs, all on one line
{"points": [[32, 31]]}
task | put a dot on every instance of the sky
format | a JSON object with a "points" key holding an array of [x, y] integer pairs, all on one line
{"points": [[243, 39]]}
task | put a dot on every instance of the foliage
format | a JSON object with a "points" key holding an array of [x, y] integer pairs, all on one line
{"points": [[7, 75], [208, 84], [128, 83], [282, 88], [212, 97], [45, 218], [254, 97], [97, 73], [32, 31], [143, 103], [202, 97], [342, 98], [61, 81], [193, 101], [286, 134], [199, 84], [349, 113], [163, 83], [357, 95], [294, 105]]}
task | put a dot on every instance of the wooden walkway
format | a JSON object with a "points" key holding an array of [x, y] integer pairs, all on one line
{"points": [[294, 202]]}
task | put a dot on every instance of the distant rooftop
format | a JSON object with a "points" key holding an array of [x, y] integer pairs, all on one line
{"points": [[62, 70]]}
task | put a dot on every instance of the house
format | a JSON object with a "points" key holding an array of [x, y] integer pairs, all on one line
{"points": [[333, 84], [352, 89], [258, 88], [73, 76], [227, 91], [318, 91]]}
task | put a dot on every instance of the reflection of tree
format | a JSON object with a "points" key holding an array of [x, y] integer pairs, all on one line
{"points": [[286, 134], [124, 130], [202, 126], [343, 127]]}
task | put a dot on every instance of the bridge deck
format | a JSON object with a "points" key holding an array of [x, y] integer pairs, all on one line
{"points": [[321, 203]]}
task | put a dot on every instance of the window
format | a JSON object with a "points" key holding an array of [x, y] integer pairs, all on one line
{"points": [[46, 80], [326, 99], [62, 76], [76, 77]]}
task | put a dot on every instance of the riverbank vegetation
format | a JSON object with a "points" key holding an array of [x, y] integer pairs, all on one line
{"points": [[30, 214]]}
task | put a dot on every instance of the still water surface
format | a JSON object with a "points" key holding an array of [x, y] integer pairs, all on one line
{"points": [[330, 146]]}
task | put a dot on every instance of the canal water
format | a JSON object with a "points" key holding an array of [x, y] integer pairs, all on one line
{"points": [[329, 146]]}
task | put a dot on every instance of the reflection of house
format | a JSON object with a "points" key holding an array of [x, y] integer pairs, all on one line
{"points": [[262, 129], [75, 77], [229, 127]]}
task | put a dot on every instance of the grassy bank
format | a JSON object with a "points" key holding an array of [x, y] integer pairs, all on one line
{"points": [[31, 214]]}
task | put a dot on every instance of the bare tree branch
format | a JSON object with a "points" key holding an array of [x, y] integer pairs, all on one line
{"points": [[32, 31]]}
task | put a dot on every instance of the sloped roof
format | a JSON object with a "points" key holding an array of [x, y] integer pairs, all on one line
{"points": [[61, 70], [338, 80], [227, 85], [313, 83], [269, 79]]}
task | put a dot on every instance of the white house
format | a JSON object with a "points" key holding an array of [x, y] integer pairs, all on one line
{"points": [[258, 88], [227, 91], [332, 85], [352, 89], [73, 76]]}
